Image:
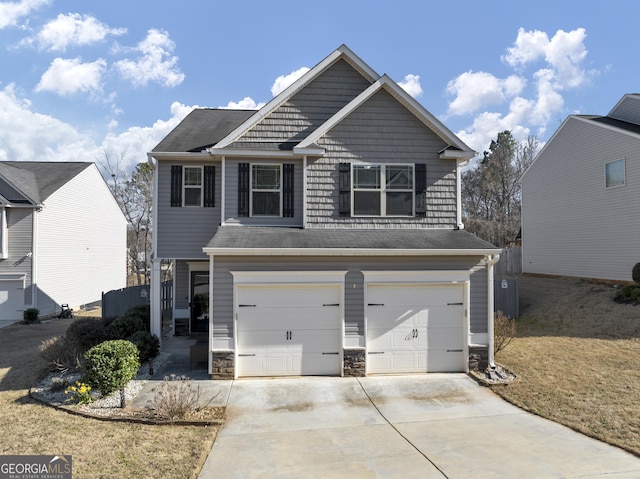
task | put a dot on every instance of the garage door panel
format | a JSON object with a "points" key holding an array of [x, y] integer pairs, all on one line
{"points": [[413, 328], [286, 330]]}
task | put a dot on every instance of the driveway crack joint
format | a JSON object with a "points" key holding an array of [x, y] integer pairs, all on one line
{"points": [[398, 432]]}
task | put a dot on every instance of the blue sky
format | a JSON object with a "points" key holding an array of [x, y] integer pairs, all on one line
{"points": [[80, 79]]}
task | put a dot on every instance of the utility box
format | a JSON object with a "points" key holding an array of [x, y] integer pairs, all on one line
{"points": [[505, 296]]}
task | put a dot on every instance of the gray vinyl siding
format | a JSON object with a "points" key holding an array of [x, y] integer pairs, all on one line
{"points": [[627, 110], [231, 202], [572, 224], [20, 231], [354, 283], [381, 130], [308, 109], [182, 232]]}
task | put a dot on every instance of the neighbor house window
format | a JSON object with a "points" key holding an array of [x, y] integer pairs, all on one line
{"points": [[383, 190], [192, 186], [266, 190], [614, 173]]}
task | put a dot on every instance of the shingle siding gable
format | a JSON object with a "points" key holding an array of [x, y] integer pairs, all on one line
{"points": [[306, 110], [381, 130]]}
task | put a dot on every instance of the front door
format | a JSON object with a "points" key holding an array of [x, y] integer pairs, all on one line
{"points": [[199, 302]]}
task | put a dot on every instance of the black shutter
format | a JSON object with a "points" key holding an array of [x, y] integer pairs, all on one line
{"points": [[344, 172], [243, 189], [421, 189], [287, 190], [176, 185], [209, 183]]}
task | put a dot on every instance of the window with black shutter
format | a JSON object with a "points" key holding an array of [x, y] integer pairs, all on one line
{"points": [[421, 189], [243, 189], [344, 202], [287, 190], [176, 185], [209, 186]]}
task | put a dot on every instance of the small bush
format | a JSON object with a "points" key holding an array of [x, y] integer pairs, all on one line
{"points": [[176, 399], [30, 316], [635, 295], [59, 356], [504, 330], [148, 347], [125, 326], [85, 333], [109, 366], [635, 273], [628, 290]]}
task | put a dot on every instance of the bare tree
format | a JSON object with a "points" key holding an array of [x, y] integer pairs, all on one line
{"points": [[492, 193], [134, 192]]}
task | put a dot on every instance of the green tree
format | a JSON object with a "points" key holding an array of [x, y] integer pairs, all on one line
{"points": [[491, 192], [134, 192]]}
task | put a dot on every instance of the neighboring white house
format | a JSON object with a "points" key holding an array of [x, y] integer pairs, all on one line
{"points": [[580, 197], [63, 237]]}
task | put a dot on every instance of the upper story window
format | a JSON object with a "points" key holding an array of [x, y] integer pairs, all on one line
{"points": [[266, 190], [192, 186], [383, 190], [614, 173]]}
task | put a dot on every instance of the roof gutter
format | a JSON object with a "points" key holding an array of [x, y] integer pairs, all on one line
{"points": [[347, 252]]}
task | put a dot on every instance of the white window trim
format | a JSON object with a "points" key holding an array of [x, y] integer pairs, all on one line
{"points": [[185, 186], [251, 190], [624, 173], [383, 190]]}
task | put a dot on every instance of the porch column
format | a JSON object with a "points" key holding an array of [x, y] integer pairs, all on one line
{"points": [[156, 298], [491, 260]]}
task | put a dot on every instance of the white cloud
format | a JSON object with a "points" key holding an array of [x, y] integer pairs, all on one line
{"points": [[247, 103], [155, 63], [68, 76], [283, 81], [26, 135], [11, 12], [70, 30], [411, 84], [476, 90], [524, 103]]}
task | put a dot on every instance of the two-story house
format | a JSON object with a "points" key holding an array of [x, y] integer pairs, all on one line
{"points": [[322, 234], [63, 237]]}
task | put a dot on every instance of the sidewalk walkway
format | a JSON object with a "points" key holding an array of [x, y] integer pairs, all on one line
{"points": [[213, 393]]}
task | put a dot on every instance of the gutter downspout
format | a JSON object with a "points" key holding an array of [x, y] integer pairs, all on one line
{"points": [[490, 261]]}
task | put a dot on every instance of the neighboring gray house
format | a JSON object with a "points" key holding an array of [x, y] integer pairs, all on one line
{"points": [[62, 237], [579, 197], [322, 234]]}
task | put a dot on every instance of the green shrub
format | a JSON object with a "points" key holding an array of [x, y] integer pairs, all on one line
{"points": [[85, 333], [143, 312], [148, 347], [635, 273], [30, 316], [628, 290], [109, 366], [125, 326], [635, 295]]}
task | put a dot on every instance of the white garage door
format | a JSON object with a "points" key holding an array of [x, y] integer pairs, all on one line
{"points": [[288, 330], [415, 328]]}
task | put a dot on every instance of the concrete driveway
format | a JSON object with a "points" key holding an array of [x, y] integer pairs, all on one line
{"points": [[423, 426]]}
